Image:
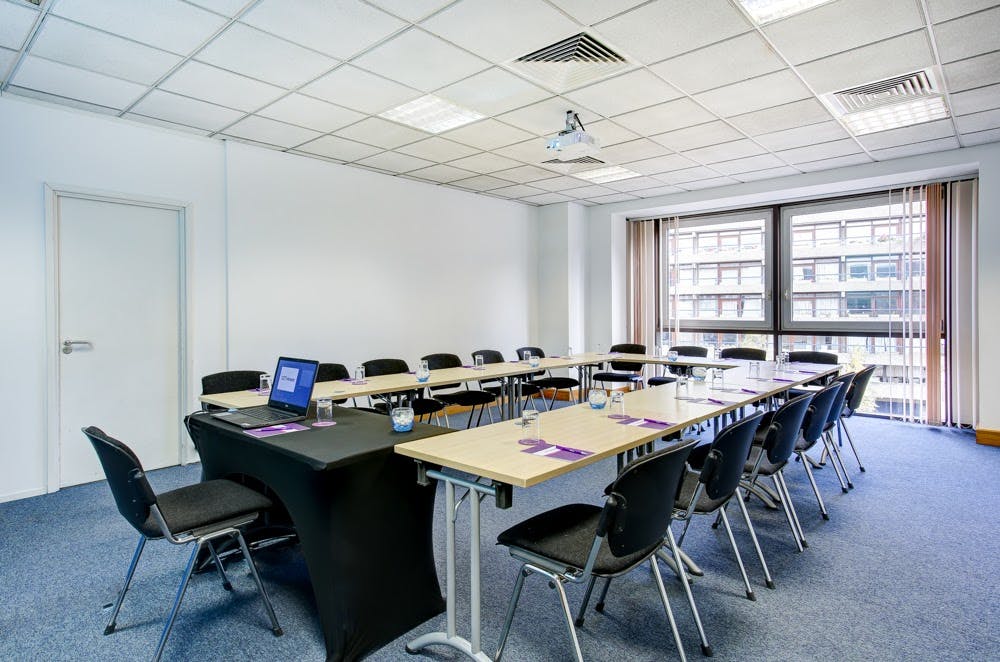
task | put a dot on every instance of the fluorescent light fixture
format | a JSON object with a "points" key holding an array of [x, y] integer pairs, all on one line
{"points": [[894, 116], [766, 11], [431, 113], [605, 175]]}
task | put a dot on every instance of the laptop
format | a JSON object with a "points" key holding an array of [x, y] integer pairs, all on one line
{"points": [[291, 390]]}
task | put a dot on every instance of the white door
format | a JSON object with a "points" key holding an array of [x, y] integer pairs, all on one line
{"points": [[119, 324]]}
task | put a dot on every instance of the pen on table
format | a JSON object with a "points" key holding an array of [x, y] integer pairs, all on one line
{"points": [[713, 400], [571, 450], [658, 422]]}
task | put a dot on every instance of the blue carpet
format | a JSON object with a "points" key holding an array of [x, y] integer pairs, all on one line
{"points": [[908, 567]]}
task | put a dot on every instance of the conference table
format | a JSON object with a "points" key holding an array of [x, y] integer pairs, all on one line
{"points": [[580, 436]]}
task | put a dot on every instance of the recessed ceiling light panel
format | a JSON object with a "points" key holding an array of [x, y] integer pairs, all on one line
{"points": [[896, 115], [767, 11], [605, 175], [432, 114]]}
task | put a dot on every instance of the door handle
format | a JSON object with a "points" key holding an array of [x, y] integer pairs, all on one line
{"points": [[68, 345]]}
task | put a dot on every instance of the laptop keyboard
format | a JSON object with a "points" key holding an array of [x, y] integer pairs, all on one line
{"points": [[266, 413]]}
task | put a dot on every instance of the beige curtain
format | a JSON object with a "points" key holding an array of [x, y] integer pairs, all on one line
{"points": [[935, 299], [642, 281]]}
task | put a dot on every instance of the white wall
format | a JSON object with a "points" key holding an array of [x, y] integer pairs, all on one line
{"points": [[362, 266], [47, 144], [606, 304]]}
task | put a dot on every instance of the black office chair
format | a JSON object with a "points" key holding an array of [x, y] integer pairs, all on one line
{"points": [[227, 382], [495, 386], [544, 380], [579, 542], [832, 423], [812, 432], [625, 372], [687, 350], [331, 372], [851, 404], [463, 398], [774, 443], [743, 353], [383, 403], [201, 513], [809, 356]]}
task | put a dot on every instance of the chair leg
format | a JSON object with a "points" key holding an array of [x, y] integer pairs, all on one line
{"points": [[599, 607], [666, 607], [829, 445], [768, 580], [586, 599], [509, 618], [218, 566], [569, 618], [275, 628], [791, 508], [840, 458], [706, 648], [854, 448], [812, 481], [788, 515], [110, 627], [177, 603], [736, 552]]}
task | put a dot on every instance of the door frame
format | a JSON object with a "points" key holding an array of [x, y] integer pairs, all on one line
{"points": [[53, 193]]}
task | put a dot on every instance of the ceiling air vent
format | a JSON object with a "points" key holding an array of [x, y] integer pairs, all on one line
{"points": [[889, 104], [582, 160], [571, 63]]}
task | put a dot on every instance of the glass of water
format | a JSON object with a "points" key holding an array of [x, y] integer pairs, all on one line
{"points": [[718, 379], [265, 384], [753, 370], [402, 419], [359, 375], [682, 389], [423, 371], [324, 412], [478, 358], [618, 404], [530, 428]]}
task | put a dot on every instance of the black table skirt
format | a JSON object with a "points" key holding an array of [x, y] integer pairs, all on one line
{"points": [[364, 523]]}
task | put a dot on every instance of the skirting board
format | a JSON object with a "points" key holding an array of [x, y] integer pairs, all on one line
{"points": [[988, 437]]}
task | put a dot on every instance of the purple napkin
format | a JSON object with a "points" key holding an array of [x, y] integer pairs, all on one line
{"points": [[559, 452], [272, 430], [809, 372], [649, 423]]}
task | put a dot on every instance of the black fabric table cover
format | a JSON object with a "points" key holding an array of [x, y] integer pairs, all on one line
{"points": [[364, 523]]}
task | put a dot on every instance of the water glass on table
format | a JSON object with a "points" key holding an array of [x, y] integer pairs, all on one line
{"points": [[423, 371], [531, 432], [618, 404], [265, 384], [597, 398], [324, 412], [753, 370], [682, 387], [402, 419], [359, 375], [478, 360], [718, 381]]}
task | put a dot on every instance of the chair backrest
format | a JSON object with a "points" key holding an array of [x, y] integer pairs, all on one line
{"points": [[858, 388], [641, 502], [231, 380], [743, 353], [838, 402], [127, 481], [723, 469], [377, 367], [819, 410], [627, 348], [808, 356], [690, 350], [784, 427], [331, 372], [440, 362]]}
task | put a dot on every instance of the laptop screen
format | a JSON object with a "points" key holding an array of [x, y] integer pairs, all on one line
{"points": [[292, 385]]}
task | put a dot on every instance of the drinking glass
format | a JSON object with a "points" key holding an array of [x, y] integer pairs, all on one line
{"points": [[533, 360], [683, 390], [402, 419], [359, 375], [597, 398], [265, 384], [531, 428], [324, 412], [718, 379], [618, 404], [423, 372], [672, 355], [753, 370], [479, 361]]}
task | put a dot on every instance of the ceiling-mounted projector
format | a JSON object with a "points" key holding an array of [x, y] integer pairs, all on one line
{"points": [[573, 141]]}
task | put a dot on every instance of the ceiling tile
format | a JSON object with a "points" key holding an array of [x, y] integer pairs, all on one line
{"points": [[665, 117], [272, 132], [945, 10], [939, 145], [821, 151], [710, 133], [420, 60], [517, 191], [974, 101], [65, 81], [720, 64], [492, 92], [836, 162], [482, 183], [547, 198], [839, 26], [660, 164], [531, 151], [202, 81], [590, 12], [609, 133], [686, 175], [983, 121], [488, 135], [165, 124], [769, 173], [736, 149], [380, 132], [521, 27], [968, 36], [653, 32], [974, 72], [15, 23], [749, 164], [614, 197], [525, 173], [437, 149], [338, 148], [631, 91], [779, 118], [253, 53], [394, 162], [908, 134], [340, 28], [592, 191], [546, 118], [559, 183], [411, 10], [867, 64], [634, 150], [712, 182], [634, 184], [183, 110], [485, 163], [168, 24], [351, 87], [803, 135], [657, 191], [226, 7], [755, 94], [441, 173], [311, 113], [7, 58], [981, 137], [87, 48]]}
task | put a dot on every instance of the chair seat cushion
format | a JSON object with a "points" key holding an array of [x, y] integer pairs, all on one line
{"points": [[704, 505], [565, 535], [618, 377], [466, 398], [199, 505], [557, 383], [659, 381]]}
